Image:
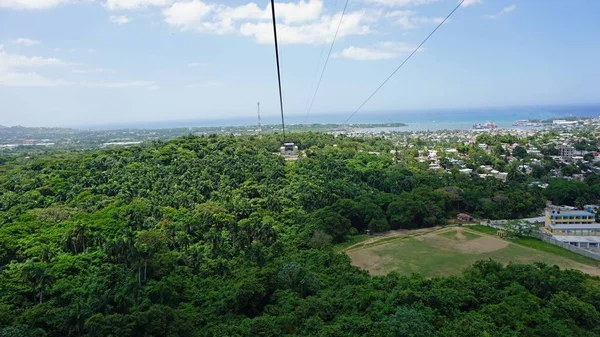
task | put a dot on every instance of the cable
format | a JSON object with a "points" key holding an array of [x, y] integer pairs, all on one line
{"points": [[326, 61], [320, 55], [278, 68], [404, 62]]}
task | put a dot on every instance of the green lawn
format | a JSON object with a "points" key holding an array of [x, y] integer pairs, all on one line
{"points": [[540, 245], [352, 239], [550, 248], [410, 255], [484, 229]]}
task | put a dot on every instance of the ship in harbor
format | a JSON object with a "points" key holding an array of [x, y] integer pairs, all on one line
{"points": [[486, 126]]}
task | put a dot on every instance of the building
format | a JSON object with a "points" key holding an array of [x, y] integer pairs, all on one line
{"points": [[585, 242], [566, 152], [499, 175], [571, 223], [464, 217], [289, 149], [563, 123]]}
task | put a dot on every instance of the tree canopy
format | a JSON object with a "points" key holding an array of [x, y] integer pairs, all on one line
{"points": [[218, 236]]}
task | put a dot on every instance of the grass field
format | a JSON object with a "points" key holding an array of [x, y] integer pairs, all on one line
{"points": [[351, 240], [459, 235], [450, 251], [484, 229]]}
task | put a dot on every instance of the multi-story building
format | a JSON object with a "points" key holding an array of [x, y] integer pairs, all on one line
{"points": [[572, 223], [578, 228], [566, 152]]}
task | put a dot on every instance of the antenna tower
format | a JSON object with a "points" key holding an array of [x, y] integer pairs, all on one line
{"points": [[259, 124]]}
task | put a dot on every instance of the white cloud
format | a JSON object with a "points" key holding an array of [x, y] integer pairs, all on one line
{"points": [[12, 74], [409, 19], [401, 3], [135, 4], [471, 2], [504, 11], [186, 15], [26, 42], [299, 22], [17, 79], [31, 4], [32, 79], [310, 33], [119, 19], [297, 12], [380, 51], [20, 61]]}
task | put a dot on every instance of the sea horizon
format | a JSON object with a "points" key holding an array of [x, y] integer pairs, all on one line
{"points": [[416, 120]]}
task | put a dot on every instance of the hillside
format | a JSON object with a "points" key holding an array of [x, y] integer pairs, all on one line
{"points": [[219, 236]]}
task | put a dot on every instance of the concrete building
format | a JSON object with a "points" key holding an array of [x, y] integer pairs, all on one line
{"points": [[289, 149], [571, 223], [566, 152], [586, 242]]}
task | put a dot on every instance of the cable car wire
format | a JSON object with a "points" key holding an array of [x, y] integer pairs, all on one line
{"points": [[278, 68], [326, 61], [320, 55], [404, 62]]}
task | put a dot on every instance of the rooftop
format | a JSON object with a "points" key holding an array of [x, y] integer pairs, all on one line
{"points": [[577, 226], [573, 213], [566, 238]]}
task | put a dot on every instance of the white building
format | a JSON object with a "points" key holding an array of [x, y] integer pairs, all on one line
{"points": [[563, 123], [289, 149]]}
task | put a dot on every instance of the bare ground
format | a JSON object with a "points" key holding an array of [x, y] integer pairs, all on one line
{"points": [[484, 244]]}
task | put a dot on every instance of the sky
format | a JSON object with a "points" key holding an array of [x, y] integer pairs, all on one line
{"points": [[95, 62]]}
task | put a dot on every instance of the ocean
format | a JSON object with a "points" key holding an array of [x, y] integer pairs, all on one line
{"points": [[417, 120]]}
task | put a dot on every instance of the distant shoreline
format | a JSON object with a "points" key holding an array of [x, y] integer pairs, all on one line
{"points": [[415, 120]]}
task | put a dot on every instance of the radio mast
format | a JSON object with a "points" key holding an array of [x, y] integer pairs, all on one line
{"points": [[259, 124]]}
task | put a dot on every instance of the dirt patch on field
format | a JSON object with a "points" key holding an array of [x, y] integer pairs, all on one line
{"points": [[390, 235], [587, 269], [367, 259], [484, 244]]}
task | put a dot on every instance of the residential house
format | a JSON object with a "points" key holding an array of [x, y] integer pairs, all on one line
{"points": [[464, 217]]}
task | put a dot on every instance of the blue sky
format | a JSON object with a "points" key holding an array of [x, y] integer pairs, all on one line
{"points": [[87, 62]]}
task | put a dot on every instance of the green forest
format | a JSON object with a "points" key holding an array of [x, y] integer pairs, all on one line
{"points": [[221, 236]]}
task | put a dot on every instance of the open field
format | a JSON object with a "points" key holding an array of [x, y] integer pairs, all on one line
{"points": [[449, 251]]}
